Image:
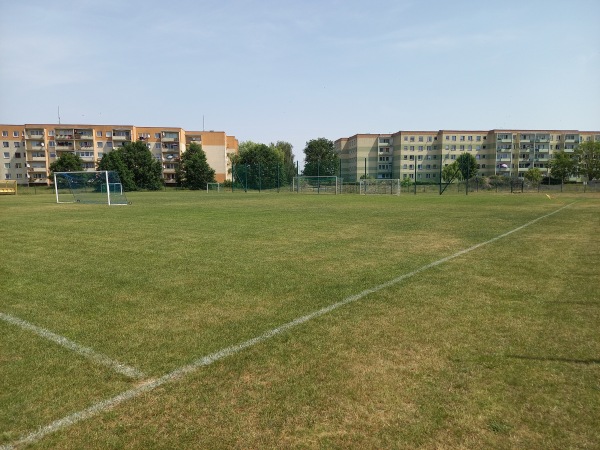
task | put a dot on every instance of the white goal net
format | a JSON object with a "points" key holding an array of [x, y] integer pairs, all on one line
{"points": [[101, 187], [316, 185], [380, 186], [213, 187]]}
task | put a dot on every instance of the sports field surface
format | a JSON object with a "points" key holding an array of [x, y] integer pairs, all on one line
{"points": [[246, 320]]}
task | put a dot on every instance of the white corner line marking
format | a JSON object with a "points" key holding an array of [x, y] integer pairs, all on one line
{"points": [[150, 385], [79, 349]]}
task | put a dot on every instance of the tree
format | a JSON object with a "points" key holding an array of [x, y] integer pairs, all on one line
{"points": [[67, 162], [136, 166], [194, 172], [451, 172], [320, 158], [467, 165], [588, 159], [563, 165], [289, 166], [261, 166], [534, 176]]}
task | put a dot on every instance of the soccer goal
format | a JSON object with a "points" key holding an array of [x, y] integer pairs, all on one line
{"points": [[101, 187], [316, 185], [213, 187], [380, 186]]}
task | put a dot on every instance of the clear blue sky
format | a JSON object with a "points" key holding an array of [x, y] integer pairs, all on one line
{"points": [[298, 70]]}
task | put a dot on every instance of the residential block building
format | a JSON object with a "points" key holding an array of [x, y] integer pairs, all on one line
{"points": [[421, 155], [28, 150]]}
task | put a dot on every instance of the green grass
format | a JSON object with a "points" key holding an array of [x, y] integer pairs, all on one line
{"points": [[497, 348]]}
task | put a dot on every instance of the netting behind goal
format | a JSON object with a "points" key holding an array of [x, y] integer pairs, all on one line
{"points": [[316, 185], [380, 186], [101, 187]]}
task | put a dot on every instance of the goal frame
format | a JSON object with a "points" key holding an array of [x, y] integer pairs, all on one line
{"points": [[209, 184], [105, 185], [297, 184], [390, 184]]}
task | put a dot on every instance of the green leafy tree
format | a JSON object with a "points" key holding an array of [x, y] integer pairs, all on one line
{"points": [[563, 165], [320, 158], [259, 165], [451, 173], [67, 162], [136, 166], [194, 172], [115, 161], [467, 165], [534, 176], [289, 166], [588, 159]]}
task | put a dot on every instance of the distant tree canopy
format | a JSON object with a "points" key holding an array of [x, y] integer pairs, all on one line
{"points": [[289, 166], [259, 166], [451, 172], [467, 165], [136, 166], [563, 165], [588, 160], [194, 172], [67, 162], [320, 158], [534, 176]]}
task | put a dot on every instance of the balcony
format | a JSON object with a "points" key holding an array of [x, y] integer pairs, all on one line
{"points": [[30, 135], [38, 170], [504, 139], [59, 148], [36, 158], [505, 159], [121, 137], [34, 146], [170, 139]]}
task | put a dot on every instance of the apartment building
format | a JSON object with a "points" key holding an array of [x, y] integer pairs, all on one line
{"points": [[28, 150], [421, 155]]}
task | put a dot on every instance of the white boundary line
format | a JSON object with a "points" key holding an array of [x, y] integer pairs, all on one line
{"points": [[150, 385], [79, 349]]}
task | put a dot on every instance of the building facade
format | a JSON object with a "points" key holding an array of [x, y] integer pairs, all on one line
{"points": [[421, 155], [28, 150]]}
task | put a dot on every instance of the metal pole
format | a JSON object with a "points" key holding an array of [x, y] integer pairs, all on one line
{"points": [[415, 161]]}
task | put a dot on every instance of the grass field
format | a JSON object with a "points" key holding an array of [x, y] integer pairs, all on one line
{"points": [[498, 347]]}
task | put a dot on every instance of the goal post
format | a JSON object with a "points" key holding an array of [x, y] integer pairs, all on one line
{"points": [[316, 185], [100, 187], [213, 187], [380, 186]]}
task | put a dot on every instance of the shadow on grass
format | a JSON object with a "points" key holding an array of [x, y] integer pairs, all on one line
{"points": [[566, 360]]}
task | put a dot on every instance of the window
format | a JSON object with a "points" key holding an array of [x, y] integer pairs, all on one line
{"points": [[99, 144], [108, 133], [404, 166], [427, 175], [156, 135], [18, 165], [100, 155], [17, 154], [5, 134], [7, 165], [51, 133], [420, 138], [429, 148], [19, 175], [109, 144], [406, 147], [7, 176], [429, 139], [157, 145], [420, 148], [454, 138], [98, 133], [51, 144], [15, 134], [6, 155], [412, 148], [419, 166], [462, 138], [17, 144], [478, 138], [412, 139], [470, 138], [420, 158], [5, 144]]}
